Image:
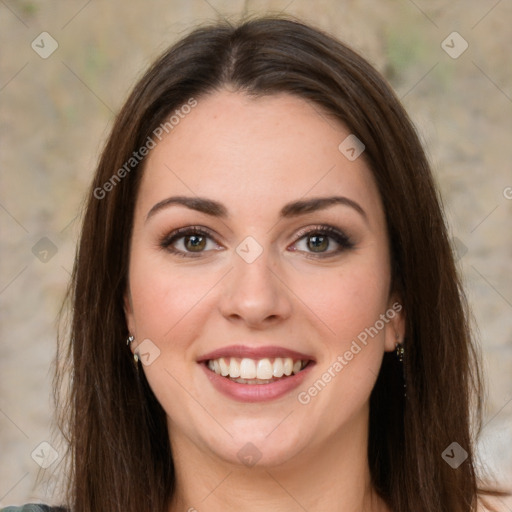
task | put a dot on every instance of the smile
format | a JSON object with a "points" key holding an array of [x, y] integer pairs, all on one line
{"points": [[255, 374], [256, 371]]}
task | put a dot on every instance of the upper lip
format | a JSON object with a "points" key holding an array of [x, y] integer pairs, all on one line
{"points": [[242, 351]]}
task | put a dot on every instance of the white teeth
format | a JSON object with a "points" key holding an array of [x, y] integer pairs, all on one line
{"points": [[224, 367], [252, 381], [247, 369], [234, 368], [288, 366], [278, 367], [264, 369], [251, 371]]}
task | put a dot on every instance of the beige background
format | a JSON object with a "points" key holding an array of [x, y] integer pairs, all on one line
{"points": [[56, 113]]}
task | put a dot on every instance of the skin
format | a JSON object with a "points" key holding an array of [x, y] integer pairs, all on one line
{"points": [[254, 156]]}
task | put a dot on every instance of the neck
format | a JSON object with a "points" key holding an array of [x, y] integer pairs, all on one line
{"points": [[333, 475]]}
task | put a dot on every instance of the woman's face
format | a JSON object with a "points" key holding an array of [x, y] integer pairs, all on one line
{"points": [[255, 284]]}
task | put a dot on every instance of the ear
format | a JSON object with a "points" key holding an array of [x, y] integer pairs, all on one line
{"points": [[395, 328]]}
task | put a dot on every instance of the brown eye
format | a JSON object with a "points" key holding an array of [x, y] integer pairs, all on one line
{"points": [[195, 243], [189, 242], [322, 241], [318, 243]]}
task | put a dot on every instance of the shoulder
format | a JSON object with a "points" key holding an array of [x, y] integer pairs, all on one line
{"points": [[493, 504], [33, 507]]}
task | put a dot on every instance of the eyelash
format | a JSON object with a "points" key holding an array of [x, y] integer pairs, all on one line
{"points": [[335, 234]]}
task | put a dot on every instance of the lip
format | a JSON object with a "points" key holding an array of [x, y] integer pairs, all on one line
{"points": [[242, 351], [255, 392]]}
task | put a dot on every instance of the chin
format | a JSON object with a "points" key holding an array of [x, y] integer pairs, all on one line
{"points": [[267, 443], [266, 454]]}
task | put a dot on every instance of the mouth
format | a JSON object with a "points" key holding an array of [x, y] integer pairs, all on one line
{"points": [[256, 371], [255, 374]]}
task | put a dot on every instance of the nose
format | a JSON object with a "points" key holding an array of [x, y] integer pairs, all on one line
{"points": [[255, 293]]}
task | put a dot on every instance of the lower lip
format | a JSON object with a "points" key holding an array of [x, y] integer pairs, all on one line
{"points": [[256, 392]]}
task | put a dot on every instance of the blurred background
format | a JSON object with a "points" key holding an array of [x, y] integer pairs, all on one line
{"points": [[66, 68]]}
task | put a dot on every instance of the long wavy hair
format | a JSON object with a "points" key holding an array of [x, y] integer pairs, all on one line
{"points": [[119, 452]]}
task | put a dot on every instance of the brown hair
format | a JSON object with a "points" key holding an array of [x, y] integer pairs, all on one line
{"points": [[120, 457]]}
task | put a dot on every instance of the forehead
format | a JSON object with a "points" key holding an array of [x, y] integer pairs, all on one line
{"points": [[255, 153]]}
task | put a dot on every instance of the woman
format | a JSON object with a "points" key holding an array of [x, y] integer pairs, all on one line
{"points": [[266, 311]]}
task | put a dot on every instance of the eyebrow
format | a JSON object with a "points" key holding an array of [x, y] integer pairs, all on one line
{"points": [[289, 210]]}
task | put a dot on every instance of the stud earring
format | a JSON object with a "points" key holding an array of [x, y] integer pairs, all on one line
{"points": [[129, 341], [400, 351]]}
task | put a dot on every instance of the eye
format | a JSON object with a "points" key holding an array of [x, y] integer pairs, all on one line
{"points": [[188, 242], [319, 239], [193, 241]]}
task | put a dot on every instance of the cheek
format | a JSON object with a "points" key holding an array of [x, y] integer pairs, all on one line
{"points": [[163, 297], [347, 299], [350, 301]]}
